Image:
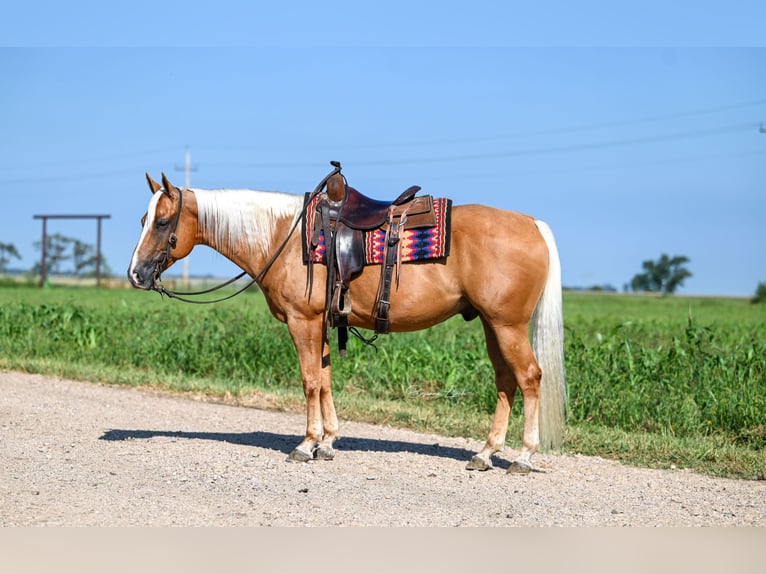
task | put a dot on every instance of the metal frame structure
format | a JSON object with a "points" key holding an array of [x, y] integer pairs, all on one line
{"points": [[45, 218]]}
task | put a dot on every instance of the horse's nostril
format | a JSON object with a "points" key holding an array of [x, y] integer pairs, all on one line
{"points": [[135, 277]]}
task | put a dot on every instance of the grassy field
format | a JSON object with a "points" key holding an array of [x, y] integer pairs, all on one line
{"points": [[655, 382]]}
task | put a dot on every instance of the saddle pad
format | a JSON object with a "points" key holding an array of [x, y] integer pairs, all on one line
{"points": [[415, 244]]}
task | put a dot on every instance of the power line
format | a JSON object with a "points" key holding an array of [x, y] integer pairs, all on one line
{"points": [[546, 150], [603, 167], [461, 157], [570, 148], [515, 135], [73, 177], [121, 156]]}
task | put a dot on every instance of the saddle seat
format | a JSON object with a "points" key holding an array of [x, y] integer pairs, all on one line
{"points": [[362, 212]]}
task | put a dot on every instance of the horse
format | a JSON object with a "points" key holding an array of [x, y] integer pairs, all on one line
{"points": [[503, 268]]}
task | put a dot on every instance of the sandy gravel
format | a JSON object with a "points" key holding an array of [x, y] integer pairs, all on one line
{"points": [[82, 454]]}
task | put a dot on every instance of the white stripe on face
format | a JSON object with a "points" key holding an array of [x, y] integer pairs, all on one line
{"points": [[148, 225]]}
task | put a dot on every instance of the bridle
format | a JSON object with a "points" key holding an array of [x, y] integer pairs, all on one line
{"points": [[173, 240], [164, 259]]}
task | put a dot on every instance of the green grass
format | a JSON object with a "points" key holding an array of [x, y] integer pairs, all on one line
{"points": [[652, 381]]}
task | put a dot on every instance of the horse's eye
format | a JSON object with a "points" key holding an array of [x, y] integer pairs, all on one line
{"points": [[162, 223]]}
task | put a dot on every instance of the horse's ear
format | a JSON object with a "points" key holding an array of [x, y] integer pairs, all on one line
{"points": [[168, 188], [153, 185]]}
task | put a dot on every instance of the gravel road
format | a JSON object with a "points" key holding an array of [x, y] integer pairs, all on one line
{"points": [[83, 454]]}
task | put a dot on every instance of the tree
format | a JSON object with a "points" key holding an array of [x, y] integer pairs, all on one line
{"points": [[760, 293], [664, 275], [56, 247], [60, 248], [84, 257], [85, 260], [7, 250]]}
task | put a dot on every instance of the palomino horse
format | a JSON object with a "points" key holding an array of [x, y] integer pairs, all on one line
{"points": [[503, 267]]}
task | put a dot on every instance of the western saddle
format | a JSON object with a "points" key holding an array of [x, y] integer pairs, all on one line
{"points": [[343, 216]]}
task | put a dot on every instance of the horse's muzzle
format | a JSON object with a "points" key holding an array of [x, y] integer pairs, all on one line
{"points": [[142, 278]]}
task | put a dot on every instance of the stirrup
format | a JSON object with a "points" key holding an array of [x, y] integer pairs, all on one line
{"points": [[341, 302]]}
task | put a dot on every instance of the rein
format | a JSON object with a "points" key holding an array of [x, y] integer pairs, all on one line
{"points": [[173, 239]]}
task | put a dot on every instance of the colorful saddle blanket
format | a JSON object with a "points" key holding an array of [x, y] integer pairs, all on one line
{"points": [[414, 244]]}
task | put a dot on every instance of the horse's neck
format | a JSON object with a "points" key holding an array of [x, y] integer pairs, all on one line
{"points": [[244, 225]]}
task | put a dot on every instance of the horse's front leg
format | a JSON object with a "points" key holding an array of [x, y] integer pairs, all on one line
{"points": [[321, 419]]}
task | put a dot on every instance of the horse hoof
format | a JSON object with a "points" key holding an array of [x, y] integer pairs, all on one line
{"points": [[299, 455], [325, 453], [518, 467], [478, 463]]}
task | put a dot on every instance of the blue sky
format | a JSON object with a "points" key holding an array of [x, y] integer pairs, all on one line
{"points": [[629, 145]]}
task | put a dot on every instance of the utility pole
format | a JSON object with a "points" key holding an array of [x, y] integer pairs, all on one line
{"points": [[187, 169]]}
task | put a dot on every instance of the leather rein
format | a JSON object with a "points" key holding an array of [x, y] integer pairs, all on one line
{"points": [[173, 240]]}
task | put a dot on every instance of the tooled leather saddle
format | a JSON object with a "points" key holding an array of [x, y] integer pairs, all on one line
{"points": [[342, 217]]}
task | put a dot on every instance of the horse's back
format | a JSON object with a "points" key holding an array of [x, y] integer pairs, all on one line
{"points": [[497, 267], [493, 223]]}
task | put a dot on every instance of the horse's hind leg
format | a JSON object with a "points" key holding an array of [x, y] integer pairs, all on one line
{"points": [[515, 346], [506, 389], [511, 343]]}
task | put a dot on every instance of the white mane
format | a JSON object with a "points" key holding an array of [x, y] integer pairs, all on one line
{"points": [[228, 216]]}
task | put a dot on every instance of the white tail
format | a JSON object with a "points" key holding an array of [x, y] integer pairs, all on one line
{"points": [[548, 346]]}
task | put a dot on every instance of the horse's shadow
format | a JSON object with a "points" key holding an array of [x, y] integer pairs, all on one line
{"points": [[285, 443]]}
